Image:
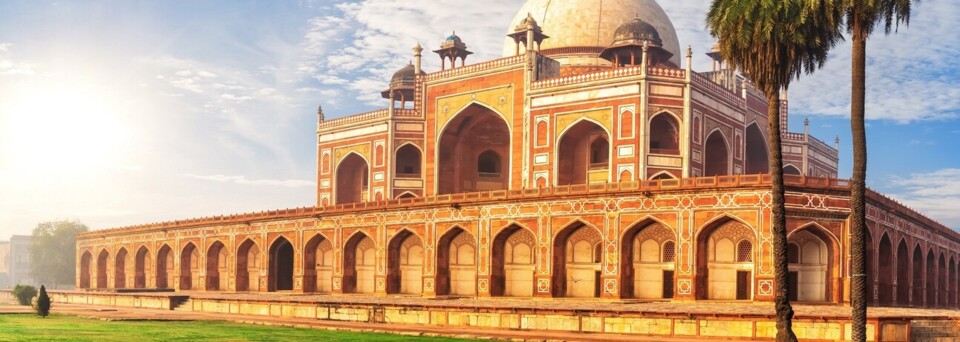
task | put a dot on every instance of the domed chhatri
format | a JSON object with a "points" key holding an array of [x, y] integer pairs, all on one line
{"points": [[576, 27], [637, 32], [406, 75]]}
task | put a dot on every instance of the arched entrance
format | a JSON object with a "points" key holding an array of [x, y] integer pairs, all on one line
{"points": [[885, 271], [102, 269], [811, 254], [583, 154], [456, 263], [120, 269], [757, 153], [408, 162], [917, 280], [281, 265], [725, 261], [164, 267], [359, 262], [903, 274], [318, 265], [664, 135], [473, 131], [405, 263], [791, 170], [716, 160], [352, 179], [576, 261], [952, 288], [142, 267], [189, 267], [85, 260], [216, 266], [513, 263], [647, 261], [942, 281], [248, 266]]}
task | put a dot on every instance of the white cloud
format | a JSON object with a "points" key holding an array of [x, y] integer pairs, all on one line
{"points": [[288, 183], [10, 67], [935, 194]]}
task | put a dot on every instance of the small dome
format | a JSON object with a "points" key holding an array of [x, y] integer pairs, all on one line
{"points": [[637, 32], [454, 38], [406, 74], [527, 22]]}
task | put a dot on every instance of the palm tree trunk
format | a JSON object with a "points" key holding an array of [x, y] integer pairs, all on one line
{"points": [[858, 282], [778, 221]]}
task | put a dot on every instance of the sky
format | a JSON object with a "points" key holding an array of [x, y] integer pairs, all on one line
{"points": [[117, 113]]}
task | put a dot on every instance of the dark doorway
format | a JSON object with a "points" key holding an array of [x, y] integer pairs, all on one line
{"points": [[793, 286], [743, 285], [667, 284], [281, 265]]}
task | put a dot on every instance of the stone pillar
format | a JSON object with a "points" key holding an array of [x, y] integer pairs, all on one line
{"points": [[610, 265]]}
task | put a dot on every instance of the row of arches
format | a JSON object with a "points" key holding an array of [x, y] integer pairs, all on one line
{"points": [[910, 274], [474, 148], [725, 257]]}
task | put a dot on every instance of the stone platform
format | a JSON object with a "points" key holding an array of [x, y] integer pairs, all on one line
{"points": [[702, 319]]}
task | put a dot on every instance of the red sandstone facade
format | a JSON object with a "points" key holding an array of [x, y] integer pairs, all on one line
{"points": [[548, 173]]}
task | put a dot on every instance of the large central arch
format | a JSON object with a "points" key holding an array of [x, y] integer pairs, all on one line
{"points": [[583, 154], [513, 262], [475, 132], [280, 276], [716, 159]]}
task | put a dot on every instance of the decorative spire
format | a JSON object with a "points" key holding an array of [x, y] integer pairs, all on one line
{"points": [[320, 113]]}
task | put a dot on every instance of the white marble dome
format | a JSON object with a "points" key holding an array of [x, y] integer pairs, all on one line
{"points": [[590, 23]]}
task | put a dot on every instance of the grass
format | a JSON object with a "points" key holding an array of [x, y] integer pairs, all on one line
{"points": [[22, 327]]}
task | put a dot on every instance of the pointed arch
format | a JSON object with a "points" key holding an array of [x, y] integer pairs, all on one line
{"points": [[790, 169], [576, 273], [473, 130], [931, 281], [917, 280], [189, 266], [813, 270], [513, 261], [951, 290], [85, 260], [142, 267], [409, 161], [248, 266], [456, 263], [165, 272], [717, 158], [663, 175], [664, 134], [885, 264], [407, 194], [359, 259], [216, 268], [644, 272], [583, 153], [120, 269], [280, 259], [942, 280], [405, 257], [102, 262], [903, 273], [757, 156], [352, 178], [719, 273], [318, 264]]}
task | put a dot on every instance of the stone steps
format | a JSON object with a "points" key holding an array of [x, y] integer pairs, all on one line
{"points": [[182, 305], [935, 330]]}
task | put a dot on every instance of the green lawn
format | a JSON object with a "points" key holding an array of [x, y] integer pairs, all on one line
{"points": [[17, 327]]}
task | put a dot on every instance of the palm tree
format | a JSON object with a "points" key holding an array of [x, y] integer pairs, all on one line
{"points": [[862, 17], [773, 42]]}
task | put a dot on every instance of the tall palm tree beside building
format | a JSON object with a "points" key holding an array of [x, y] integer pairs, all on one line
{"points": [[773, 42], [863, 16]]}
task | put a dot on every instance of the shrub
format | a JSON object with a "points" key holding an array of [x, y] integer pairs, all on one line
{"points": [[43, 302], [24, 293]]}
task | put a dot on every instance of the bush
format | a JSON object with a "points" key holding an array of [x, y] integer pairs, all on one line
{"points": [[24, 293], [43, 302]]}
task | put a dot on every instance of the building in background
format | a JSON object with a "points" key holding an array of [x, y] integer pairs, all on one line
{"points": [[20, 260], [4, 264]]}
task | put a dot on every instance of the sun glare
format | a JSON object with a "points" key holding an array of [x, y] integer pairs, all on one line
{"points": [[58, 127]]}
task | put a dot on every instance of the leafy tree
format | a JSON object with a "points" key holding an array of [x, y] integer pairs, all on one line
{"points": [[863, 16], [24, 293], [43, 303], [773, 42], [53, 252]]}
